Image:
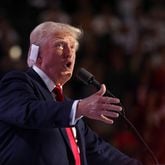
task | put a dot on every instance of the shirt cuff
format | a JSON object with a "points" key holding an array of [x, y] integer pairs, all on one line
{"points": [[73, 118]]}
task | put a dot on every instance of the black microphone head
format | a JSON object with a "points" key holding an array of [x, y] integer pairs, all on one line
{"points": [[84, 76]]}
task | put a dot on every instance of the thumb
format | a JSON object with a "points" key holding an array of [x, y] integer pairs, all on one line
{"points": [[102, 90]]}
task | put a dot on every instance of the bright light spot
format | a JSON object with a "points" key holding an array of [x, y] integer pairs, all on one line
{"points": [[15, 52]]}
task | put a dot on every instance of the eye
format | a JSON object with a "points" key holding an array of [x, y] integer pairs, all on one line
{"points": [[60, 46], [73, 47]]}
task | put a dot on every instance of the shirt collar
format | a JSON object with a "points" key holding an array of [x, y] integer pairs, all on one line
{"points": [[49, 83]]}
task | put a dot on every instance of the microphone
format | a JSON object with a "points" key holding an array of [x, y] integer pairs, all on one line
{"points": [[89, 79]]}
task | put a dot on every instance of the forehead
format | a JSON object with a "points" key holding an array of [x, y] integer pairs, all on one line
{"points": [[68, 37]]}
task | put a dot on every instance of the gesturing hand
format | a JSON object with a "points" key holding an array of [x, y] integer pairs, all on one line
{"points": [[99, 107]]}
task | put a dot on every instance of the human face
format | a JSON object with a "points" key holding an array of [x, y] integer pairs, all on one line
{"points": [[58, 57]]}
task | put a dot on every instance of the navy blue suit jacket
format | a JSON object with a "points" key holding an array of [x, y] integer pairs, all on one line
{"points": [[32, 127]]}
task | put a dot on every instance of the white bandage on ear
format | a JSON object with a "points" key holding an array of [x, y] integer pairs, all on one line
{"points": [[34, 52]]}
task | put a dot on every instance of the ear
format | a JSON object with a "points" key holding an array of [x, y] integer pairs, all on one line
{"points": [[34, 51]]}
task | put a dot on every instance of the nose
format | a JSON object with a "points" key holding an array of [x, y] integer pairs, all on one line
{"points": [[68, 52]]}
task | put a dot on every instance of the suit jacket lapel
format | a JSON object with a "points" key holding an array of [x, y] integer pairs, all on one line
{"points": [[63, 132]]}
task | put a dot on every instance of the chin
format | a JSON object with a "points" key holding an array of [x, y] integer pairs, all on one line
{"points": [[66, 76]]}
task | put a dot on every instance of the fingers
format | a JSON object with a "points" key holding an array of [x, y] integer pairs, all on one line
{"points": [[109, 100], [111, 107], [102, 90], [108, 115], [106, 119]]}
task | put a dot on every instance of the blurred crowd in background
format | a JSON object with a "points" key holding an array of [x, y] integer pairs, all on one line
{"points": [[123, 46]]}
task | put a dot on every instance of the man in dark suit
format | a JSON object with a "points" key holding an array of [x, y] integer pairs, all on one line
{"points": [[34, 122]]}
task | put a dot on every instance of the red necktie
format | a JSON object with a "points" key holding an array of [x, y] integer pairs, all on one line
{"points": [[59, 97], [58, 93]]}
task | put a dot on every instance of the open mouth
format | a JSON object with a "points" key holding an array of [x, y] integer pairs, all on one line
{"points": [[68, 64]]}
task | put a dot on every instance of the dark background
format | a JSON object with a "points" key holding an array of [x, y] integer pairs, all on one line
{"points": [[123, 46]]}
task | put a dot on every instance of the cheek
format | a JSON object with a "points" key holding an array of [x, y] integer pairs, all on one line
{"points": [[58, 52], [55, 56], [74, 59], [49, 61]]}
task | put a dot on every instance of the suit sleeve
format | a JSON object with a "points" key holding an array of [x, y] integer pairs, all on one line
{"points": [[100, 152], [23, 105]]}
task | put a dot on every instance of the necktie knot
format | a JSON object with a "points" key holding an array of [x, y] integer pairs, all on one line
{"points": [[58, 93]]}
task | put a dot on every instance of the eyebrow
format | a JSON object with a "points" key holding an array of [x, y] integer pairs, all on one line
{"points": [[62, 40], [56, 40]]}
